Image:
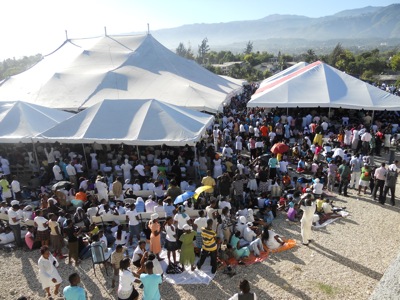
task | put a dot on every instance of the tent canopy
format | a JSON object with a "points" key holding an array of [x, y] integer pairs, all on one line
{"points": [[285, 72], [132, 122], [20, 121], [83, 72], [319, 84]]}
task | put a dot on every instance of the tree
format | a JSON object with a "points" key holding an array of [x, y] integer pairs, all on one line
{"points": [[249, 48], [335, 54], [310, 56], [181, 50], [395, 62], [204, 48]]}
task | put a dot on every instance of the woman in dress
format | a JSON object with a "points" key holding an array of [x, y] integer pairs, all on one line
{"points": [[126, 291], [187, 256], [155, 238], [347, 137], [94, 163], [120, 236], [48, 274], [217, 166], [42, 225]]}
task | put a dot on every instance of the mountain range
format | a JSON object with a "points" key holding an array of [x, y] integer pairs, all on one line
{"points": [[368, 27]]}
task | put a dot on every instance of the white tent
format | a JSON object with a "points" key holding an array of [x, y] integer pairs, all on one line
{"points": [[20, 121], [319, 84], [285, 72], [133, 122], [83, 72]]}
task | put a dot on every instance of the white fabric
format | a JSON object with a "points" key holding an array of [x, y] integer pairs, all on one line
{"points": [[20, 121], [175, 126], [83, 72], [319, 84], [329, 221], [132, 214]]}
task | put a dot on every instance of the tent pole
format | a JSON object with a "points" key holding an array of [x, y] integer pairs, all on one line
{"points": [[138, 153], [329, 112], [287, 111], [84, 155], [36, 156], [372, 119]]}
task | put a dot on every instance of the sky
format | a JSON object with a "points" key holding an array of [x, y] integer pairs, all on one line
{"points": [[30, 27]]}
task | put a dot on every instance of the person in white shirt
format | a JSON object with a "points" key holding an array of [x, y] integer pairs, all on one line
{"points": [[102, 189], [154, 171], [199, 223], [132, 217], [225, 203], [227, 151], [245, 293], [126, 168], [58, 174], [14, 221], [251, 237], [170, 240], [181, 218], [150, 204], [71, 171], [16, 188], [127, 185], [140, 169]]}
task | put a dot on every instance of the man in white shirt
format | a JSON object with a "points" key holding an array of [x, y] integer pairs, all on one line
{"points": [[150, 204], [132, 217], [14, 221], [227, 151], [16, 188], [380, 177], [140, 169], [365, 138], [58, 175], [154, 171], [71, 171], [251, 237]]}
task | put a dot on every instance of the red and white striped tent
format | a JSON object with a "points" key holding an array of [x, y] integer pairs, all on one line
{"points": [[319, 84]]}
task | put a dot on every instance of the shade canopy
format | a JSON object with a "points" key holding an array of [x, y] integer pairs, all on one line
{"points": [[133, 122], [285, 72], [319, 84], [20, 121], [83, 72]]}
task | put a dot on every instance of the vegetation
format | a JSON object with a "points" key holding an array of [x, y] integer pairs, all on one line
{"points": [[364, 65], [10, 67]]}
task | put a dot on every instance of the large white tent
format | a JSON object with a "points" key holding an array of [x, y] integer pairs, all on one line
{"points": [[83, 72], [20, 121], [319, 84], [285, 72], [133, 122]]}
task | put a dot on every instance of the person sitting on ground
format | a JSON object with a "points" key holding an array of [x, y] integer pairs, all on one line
{"points": [[116, 257], [126, 289], [292, 213], [271, 240], [250, 236], [240, 252]]}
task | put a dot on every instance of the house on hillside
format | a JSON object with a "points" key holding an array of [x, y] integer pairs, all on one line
{"points": [[227, 66]]}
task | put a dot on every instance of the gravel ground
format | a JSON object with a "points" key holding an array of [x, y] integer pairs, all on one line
{"points": [[346, 261]]}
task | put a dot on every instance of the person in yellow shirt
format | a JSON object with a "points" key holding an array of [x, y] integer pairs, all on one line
{"points": [[208, 180]]}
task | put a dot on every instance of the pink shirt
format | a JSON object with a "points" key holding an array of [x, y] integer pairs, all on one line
{"points": [[28, 240]]}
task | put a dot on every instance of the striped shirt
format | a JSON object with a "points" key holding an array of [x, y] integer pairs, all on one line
{"points": [[209, 239]]}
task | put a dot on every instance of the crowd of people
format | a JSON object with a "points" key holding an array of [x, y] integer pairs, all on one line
{"points": [[321, 153]]}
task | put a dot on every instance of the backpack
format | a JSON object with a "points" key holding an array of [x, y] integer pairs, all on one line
{"points": [[391, 178], [173, 269]]}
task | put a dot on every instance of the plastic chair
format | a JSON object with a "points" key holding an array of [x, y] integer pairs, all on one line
{"points": [[98, 256]]}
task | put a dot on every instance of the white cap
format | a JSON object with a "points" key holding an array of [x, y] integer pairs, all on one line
{"points": [[187, 227], [14, 202], [242, 219], [154, 216]]}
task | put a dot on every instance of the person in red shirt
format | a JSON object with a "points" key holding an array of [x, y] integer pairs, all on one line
{"points": [[81, 195], [264, 131]]}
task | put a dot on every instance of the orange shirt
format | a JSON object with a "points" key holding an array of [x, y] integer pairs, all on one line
{"points": [[264, 130], [81, 196]]}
